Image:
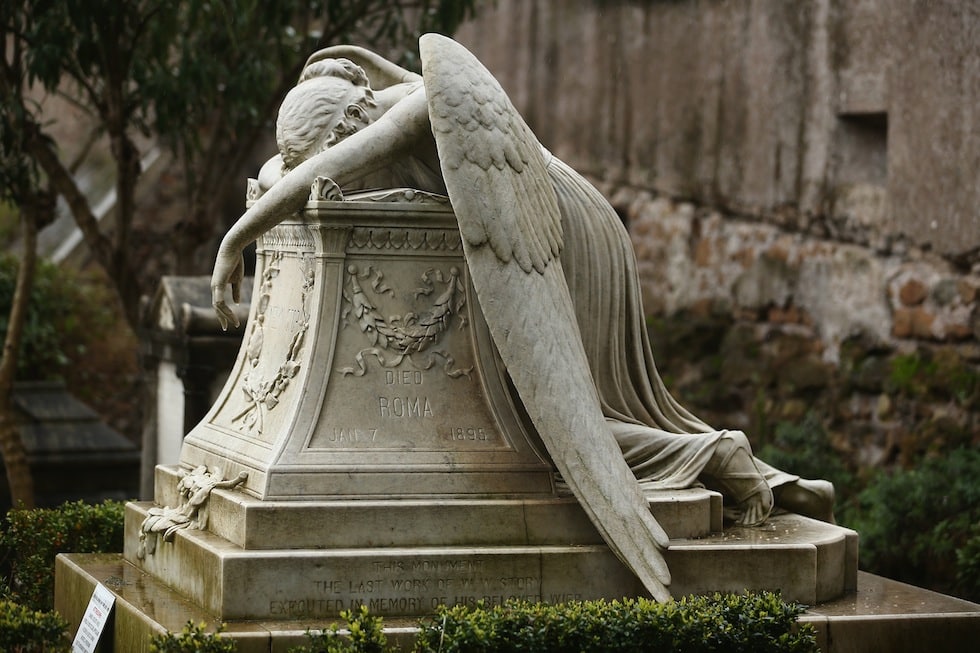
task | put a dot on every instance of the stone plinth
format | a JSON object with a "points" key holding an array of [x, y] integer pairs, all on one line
{"points": [[275, 560], [400, 557]]}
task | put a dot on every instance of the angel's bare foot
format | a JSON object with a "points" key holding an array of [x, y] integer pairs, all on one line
{"points": [[810, 498], [732, 472]]}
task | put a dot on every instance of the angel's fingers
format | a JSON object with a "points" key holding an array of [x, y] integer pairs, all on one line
{"points": [[226, 316], [221, 318]]}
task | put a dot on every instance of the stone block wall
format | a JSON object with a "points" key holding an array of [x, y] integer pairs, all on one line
{"points": [[802, 184], [754, 326]]}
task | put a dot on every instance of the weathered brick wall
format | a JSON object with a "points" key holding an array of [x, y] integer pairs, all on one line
{"points": [[801, 180]]}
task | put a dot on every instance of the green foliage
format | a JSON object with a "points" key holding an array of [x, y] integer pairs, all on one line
{"points": [[758, 623], [235, 53], [30, 540], [23, 630], [65, 313], [184, 68], [942, 374], [193, 638], [968, 565], [921, 525], [18, 170], [365, 634], [906, 369]]}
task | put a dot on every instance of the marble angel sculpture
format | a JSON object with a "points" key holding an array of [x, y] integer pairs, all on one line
{"points": [[554, 270]]}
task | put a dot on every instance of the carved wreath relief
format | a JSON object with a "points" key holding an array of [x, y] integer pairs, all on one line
{"points": [[262, 394], [414, 335]]}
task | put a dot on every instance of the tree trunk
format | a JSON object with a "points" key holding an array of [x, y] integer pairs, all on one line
{"points": [[116, 262], [11, 445]]}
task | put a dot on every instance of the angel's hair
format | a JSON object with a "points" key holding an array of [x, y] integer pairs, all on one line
{"points": [[313, 117], [342, 68]]}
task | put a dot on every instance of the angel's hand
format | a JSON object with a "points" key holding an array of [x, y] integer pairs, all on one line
{"points": [[229, 268]]}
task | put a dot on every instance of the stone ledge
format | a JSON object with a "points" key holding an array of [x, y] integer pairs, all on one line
{"points": [[807, 560], [393, 581], [255, 524], [886, 615]]}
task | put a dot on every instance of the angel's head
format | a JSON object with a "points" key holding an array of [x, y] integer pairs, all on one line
{"points": [[331, 101]]}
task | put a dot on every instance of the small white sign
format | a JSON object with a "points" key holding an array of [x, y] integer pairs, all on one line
{"points": [[93, 622]]}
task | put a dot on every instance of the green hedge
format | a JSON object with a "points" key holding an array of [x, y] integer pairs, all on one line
{"points": [[756, 623], [922, 525], [23, 630], [749, 623], [365, 634], [31, 539], [194, 638]]}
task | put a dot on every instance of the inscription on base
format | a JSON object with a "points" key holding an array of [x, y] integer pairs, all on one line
{"points": [[411, 587], [352, 435]]}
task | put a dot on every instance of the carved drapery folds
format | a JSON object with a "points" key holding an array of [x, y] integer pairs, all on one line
{"points": [[194, 489]]}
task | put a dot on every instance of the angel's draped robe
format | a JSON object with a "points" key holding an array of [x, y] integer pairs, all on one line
{"points": [[665, 445]]}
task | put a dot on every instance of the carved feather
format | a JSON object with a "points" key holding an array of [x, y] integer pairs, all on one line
{"points": [[511, 225]]}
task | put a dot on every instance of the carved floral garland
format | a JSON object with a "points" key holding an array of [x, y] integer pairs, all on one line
{"points": [[261, 394], [411, 335]]}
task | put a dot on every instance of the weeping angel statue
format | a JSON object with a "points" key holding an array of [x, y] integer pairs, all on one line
{"points": [[553, 268]]}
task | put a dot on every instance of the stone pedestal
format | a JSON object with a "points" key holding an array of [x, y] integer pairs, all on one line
{"points": [[367, 369], [375, 455]]}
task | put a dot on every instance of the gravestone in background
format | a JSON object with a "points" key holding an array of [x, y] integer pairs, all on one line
{"points": [[72, 453]]}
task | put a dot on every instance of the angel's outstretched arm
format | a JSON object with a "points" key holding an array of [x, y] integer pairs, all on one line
{"points": [[379, 70], [390, 137]]}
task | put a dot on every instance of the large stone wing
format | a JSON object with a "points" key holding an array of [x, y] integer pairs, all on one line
{"points": [[511, 225]]}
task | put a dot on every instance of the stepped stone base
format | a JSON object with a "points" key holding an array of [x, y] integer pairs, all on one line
{"points": [[271, 569], [402, 572], [403, 557], [881, 615], [399, 557]]}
